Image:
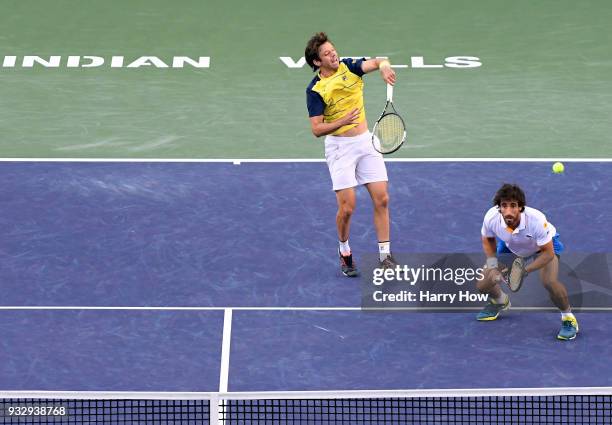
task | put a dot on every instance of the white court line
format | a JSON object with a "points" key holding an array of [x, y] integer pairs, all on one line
{"points": [[367, 309], [238, 161], [178, 308], [216, 410], [225, 350]]}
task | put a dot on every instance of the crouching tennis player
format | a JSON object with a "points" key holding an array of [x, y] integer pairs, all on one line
{"points": [[525, 232]]}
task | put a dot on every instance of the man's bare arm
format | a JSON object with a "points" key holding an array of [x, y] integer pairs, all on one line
{"points": [[547, 253], [321, 128], [387, 73]]}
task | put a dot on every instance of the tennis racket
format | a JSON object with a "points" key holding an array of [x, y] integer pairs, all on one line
{"points": [[516, 275], [389, 130]]}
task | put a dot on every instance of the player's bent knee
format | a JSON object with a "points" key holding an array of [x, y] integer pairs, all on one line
{"points": [[488, 281], [483, 285]]}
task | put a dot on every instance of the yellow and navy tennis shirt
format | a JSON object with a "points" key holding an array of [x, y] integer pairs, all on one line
{"points": [[337, 95]]}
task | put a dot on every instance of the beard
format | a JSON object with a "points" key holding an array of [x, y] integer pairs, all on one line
{"points": [[510, 220]]}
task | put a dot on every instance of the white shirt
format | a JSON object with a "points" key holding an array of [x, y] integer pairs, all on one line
{"points": [[532, 232]]}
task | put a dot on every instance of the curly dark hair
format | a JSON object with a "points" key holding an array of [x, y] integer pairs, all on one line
{"points": [[311, 53], [510, 192]]}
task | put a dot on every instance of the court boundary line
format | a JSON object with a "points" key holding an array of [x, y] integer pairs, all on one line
{"points": [[267, 308], [238, 161], [326, 394], [225, 350], [216, 413]]}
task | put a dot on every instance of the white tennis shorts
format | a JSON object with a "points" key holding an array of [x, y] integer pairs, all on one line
{"points": [[353, 161]]}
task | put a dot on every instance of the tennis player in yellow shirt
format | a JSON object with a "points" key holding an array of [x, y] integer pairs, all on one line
{"points": [[334, 99]]}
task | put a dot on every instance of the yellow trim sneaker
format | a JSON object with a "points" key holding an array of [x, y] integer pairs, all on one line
{"points": [[569, 329], [492, 310]]}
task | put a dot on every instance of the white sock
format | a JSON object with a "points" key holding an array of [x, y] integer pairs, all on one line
{"points": [[502, 298], [345, 249], [567, 315], [384, 249]]}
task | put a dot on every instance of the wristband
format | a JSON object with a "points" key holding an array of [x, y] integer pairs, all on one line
{"points": [[491, 262], [384, 64]]}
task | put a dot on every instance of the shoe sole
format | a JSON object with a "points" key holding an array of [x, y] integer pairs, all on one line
{"points": [[560, 338], [487, 319]]}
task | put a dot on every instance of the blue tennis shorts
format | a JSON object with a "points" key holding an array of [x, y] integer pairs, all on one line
{"points": [[557, 246]]}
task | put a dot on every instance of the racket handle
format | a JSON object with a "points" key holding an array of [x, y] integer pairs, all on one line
{"points": [[389, 93]]}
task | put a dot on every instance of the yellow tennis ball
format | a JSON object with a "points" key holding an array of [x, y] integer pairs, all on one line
{"points": [[558, 167]]}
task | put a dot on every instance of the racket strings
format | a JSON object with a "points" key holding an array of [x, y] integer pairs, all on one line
{"points": [[516, 274], [390, 131]]}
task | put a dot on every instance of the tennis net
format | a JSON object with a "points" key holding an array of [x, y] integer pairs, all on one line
{"points": [[99, 412], [541, 409], [423, 411]]}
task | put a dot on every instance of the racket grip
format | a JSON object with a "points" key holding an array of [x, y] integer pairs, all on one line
{"points": [[389, 93]]}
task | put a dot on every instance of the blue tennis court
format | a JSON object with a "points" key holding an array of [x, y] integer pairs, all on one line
{"points": [[255, 234], [220, 278], [168, 248]]}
